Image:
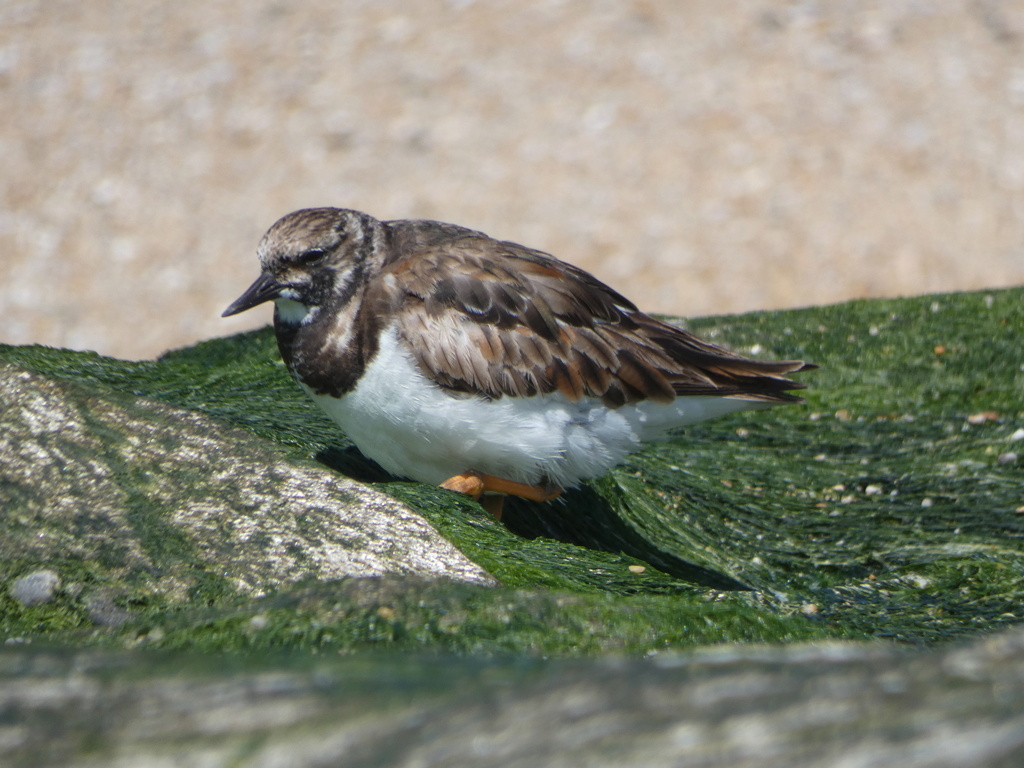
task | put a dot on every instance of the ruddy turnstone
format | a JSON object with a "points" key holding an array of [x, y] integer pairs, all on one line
{"points": [[484, 366]]}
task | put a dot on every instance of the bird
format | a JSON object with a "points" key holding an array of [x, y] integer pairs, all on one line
{"points": [[480, 365]]}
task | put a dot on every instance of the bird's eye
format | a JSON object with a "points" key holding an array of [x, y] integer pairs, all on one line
{"points": [[312, 256]]}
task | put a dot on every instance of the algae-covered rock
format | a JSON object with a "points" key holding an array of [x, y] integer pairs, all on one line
{"points": [[838, 704], [160, 503], [200, 503], [201, 491]]}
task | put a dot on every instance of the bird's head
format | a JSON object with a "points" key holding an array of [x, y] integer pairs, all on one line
{"points": [[310, 259]]}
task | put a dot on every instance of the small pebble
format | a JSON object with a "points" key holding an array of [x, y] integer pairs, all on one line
{"points": [[104, 612], [873, 490], [1018, 435], [637, 569], [35, 588], [1007, 458], [926, 502]]}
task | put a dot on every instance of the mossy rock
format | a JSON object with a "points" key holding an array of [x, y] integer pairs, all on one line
{"points": [[890, 505]]}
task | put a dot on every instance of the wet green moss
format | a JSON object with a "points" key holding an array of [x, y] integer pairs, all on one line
{"points": [[887, 506], [408, 614]]}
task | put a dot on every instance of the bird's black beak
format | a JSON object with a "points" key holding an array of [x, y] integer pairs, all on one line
{"points": [[264, 289]]}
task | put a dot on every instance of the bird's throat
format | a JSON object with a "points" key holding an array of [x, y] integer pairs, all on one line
{"points": [[291, 312]]}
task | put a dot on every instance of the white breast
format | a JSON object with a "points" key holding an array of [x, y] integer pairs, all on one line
{"points": [[402, 420]]}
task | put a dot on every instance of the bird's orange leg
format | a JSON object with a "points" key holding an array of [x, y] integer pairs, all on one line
{"points": [[494, 504], [476, 484]]}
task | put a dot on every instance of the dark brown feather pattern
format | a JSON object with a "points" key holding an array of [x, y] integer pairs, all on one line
{"points": [[498, 319]]}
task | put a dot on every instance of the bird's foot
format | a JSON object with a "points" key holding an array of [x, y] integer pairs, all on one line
{"points": [[476, 484]]}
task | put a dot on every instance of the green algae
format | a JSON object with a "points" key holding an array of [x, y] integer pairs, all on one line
{"points": [[889, 505]]}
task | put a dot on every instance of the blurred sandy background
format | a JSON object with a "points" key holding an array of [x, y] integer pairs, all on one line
{"points": [[703, 156]]}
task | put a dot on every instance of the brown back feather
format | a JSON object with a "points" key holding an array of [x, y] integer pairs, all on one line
{"points": [[500, 319]]}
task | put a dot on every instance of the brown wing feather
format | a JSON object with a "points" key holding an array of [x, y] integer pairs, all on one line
{"points": [[503, 320]]}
